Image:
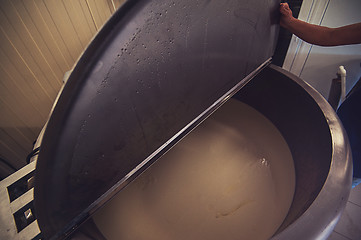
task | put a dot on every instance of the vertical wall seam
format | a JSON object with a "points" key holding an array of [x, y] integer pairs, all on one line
{"points": [[21, 75], [83, 16], [57, 29], [87, 22], [52, 36], [22, 91], [309, 13], [72, 24], [309, 51], [114, 8], [45, 42], [27, 66], [92, 15], [16, 128], [39, 50], [11, 110], [301, 42]]}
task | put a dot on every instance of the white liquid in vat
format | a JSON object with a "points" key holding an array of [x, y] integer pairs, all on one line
{"points": [[231, 178]]}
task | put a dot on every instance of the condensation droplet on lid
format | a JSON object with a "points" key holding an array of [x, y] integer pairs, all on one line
{"points": [[264, 162]]}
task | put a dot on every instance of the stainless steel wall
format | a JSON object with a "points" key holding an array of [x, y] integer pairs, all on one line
{"points": [[39, 41]]}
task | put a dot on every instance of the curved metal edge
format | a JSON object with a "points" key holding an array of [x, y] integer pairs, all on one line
{"points": [[81, 68], [338, 182]]}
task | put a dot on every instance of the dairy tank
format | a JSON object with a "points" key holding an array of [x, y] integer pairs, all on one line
{"points": [[152, 74]]}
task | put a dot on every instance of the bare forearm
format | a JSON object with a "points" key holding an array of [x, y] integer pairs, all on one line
{"points": [[324, 36], [319, 35], [311, 33]]}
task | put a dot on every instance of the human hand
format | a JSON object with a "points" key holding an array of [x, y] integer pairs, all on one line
{"points": [[286, 14]]}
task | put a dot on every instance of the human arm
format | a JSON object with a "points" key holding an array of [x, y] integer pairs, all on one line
{"points": [[319, 35]]}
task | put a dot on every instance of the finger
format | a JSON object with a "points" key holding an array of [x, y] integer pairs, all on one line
{"points": [[285, 6]]}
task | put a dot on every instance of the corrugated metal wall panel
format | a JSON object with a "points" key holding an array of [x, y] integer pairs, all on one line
{"points": [[39, 41]]}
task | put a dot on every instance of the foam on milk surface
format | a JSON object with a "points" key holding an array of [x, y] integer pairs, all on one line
{"points": [[231, 178]]}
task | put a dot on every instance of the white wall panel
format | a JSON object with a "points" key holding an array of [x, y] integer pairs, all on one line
{"points": [[318, 65], [39, 41]]}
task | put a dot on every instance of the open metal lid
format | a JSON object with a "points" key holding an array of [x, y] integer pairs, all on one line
{"points": [[155, 70]]}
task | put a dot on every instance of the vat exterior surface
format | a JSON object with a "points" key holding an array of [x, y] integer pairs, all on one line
{"points": [[152, 69]]}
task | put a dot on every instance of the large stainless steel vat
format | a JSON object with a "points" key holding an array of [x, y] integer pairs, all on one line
{"points": [[143, 82]]}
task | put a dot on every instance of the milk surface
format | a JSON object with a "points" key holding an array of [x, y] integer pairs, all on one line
{"points": [[231, 178]]}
